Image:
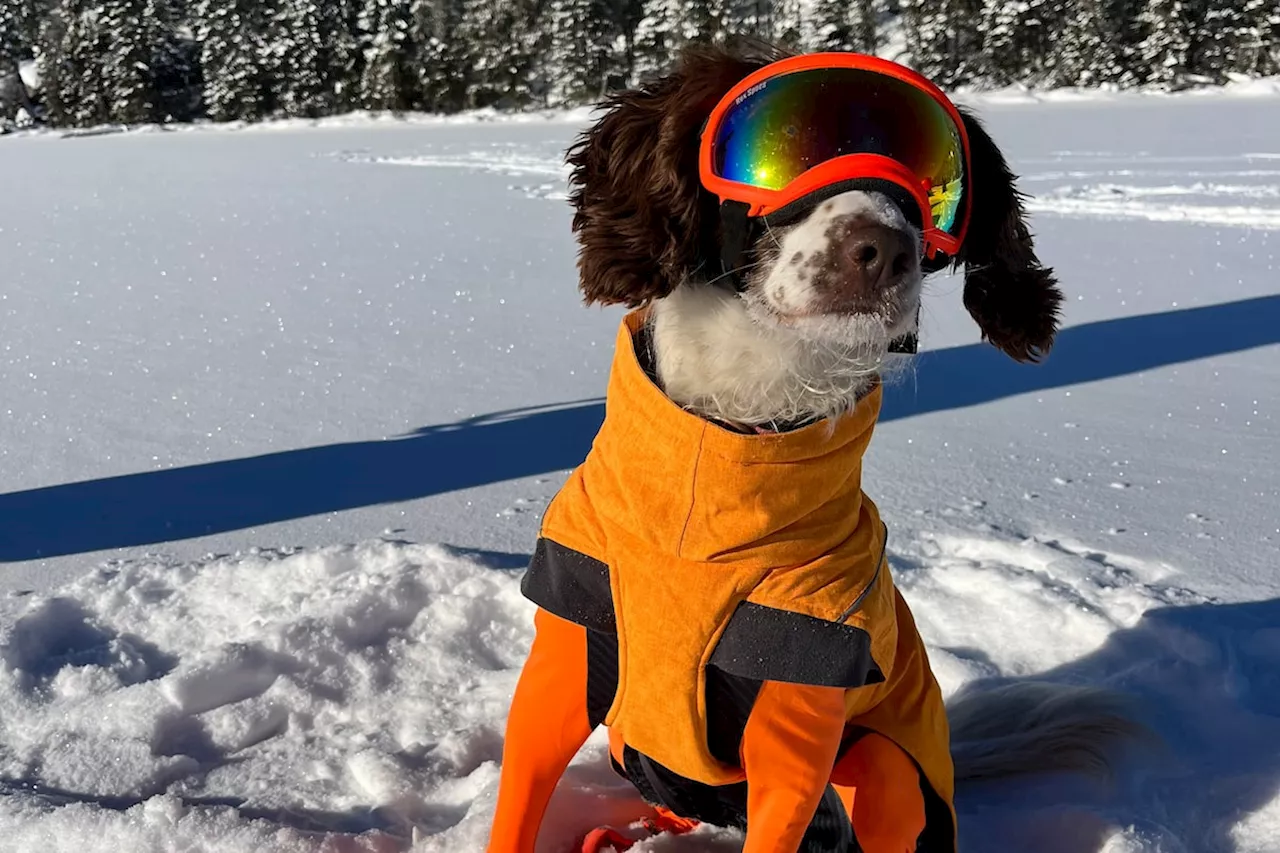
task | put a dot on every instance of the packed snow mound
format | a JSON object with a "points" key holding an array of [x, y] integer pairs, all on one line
{"points": [[342, 689]]}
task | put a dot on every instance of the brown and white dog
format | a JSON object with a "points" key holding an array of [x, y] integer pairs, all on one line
{"points": [[808, 331]]}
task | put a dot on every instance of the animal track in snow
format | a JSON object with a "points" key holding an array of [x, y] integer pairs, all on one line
{"points": [[1029, 603]]}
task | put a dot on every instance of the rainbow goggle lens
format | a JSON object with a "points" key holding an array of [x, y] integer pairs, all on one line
{"points": [[808, 126]]}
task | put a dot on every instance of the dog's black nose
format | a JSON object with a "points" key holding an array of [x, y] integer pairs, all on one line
{"points": [[874, 255]]}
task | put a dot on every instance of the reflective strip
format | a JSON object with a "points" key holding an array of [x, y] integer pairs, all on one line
{"points": [[571, 585], [862, 596], [769, 644]]}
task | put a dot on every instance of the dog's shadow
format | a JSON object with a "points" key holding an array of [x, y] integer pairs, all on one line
{"points": [[150, 507], [1207, 682]]}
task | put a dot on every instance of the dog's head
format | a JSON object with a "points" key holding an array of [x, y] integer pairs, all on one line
{"points": [[849, 266]]}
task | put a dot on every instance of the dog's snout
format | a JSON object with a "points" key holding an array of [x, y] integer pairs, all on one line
{"points": [[874, 255]]}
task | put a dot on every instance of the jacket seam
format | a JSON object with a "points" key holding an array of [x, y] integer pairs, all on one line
{"points": [[693, 492]]}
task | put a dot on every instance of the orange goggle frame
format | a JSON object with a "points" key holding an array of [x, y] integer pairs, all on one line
{"points": [[789, 123]]}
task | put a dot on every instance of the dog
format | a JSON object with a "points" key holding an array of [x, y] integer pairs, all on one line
{"points": [[790, 355]]}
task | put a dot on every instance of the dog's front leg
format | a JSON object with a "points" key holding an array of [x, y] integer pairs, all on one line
{"points": [[788, 749], [547, 726]]}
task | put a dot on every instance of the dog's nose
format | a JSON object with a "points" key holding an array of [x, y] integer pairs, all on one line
{"points": [[874, 254]]}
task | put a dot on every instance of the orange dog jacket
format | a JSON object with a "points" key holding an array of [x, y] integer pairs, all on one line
{"points": [[702, 550]]}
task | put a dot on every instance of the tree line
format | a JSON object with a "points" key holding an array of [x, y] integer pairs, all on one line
{"points": [[134, 61]]}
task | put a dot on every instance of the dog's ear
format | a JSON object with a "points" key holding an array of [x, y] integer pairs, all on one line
{"points": [[1014, 299], [642, 218]]}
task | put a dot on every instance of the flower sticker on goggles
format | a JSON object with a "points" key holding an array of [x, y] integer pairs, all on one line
{"points": [[944, 204]]}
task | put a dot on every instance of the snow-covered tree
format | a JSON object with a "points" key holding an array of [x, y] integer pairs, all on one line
{"points": [[1089, 51], [1001, 48], [1018, 39], [626, 15], [1225, 32], [748, 17], [116, 61], [175, 61], [235, 59], [668, 25], [314, 57], [391, 79], [581, 53], [1264, 50], [500, 41], [659, 36], [944, 39], [1166, 49], [124, 65], [787, 25], [1240, 36], [441, 58], [847, 25], [13, 44], [72, 45]]}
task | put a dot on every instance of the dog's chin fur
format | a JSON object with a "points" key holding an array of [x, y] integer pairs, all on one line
{"points": [[732, 358]]}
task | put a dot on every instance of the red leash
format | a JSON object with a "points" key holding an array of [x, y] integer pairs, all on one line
{"points": [[663, 820]]}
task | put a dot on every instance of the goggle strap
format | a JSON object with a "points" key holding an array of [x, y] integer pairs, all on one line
{"points": [[735, 237]]}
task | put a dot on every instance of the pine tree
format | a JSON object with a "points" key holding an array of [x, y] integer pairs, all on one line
{"points": [[314, 56], [627, 15], [1263, 56], [72, 45], [390, 80], [1226, 32], [944, 39], [1240, 37], [1126, 31], [1166, 49], [748, 17], [500, 43], [175, 61], [235, 58], [658, 37], [788, 23], [580, 55], [441, 59], [845, 25], [125, 66], [1002, 61], [1017, 43], [13, 49], [13, 46], [1089, 50]]}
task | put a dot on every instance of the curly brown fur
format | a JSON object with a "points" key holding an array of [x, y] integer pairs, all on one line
{"points": [[642, 218], [1015, 300]]}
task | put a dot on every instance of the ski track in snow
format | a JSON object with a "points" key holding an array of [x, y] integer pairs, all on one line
{"points": [[340, 698], [1094, 194]]}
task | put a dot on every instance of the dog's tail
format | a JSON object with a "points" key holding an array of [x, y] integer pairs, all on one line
{"points": [[1038, 727]]}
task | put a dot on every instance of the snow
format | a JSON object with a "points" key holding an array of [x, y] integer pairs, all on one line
{"points": [[30, 72], [249, 378]]}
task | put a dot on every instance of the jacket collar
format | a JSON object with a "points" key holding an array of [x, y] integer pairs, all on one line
{"points": [[710, 493]]}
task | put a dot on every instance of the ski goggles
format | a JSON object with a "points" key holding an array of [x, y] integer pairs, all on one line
{"points": [[808, 127]]}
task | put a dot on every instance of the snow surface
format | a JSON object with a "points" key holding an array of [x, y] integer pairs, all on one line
{"points": [[242, 374]]}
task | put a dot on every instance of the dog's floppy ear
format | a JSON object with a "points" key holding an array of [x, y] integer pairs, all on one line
{"points": [[642, 218], [1014, 299]]}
